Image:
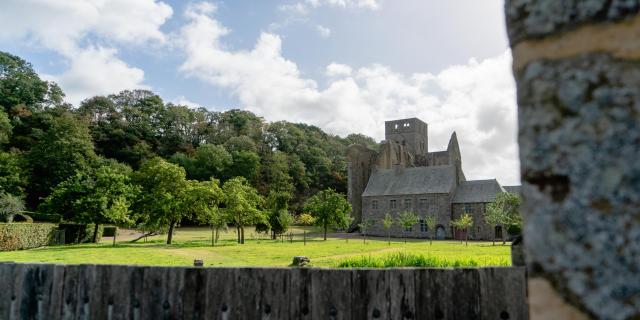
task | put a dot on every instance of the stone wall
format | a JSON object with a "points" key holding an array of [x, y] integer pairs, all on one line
{"points": [[360, 163], [440, 204], [577, 67], [480, 230]]}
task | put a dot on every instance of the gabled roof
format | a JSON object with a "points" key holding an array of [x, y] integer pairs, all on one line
{"points": [[513, 189], [476, 191], [419, 180]]}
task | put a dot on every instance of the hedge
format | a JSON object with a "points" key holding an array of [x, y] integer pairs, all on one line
{"points": [[109, 231], [79, 233], [18, 236]]}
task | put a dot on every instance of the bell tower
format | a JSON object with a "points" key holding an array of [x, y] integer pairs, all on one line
{"points": [[411, 133]]}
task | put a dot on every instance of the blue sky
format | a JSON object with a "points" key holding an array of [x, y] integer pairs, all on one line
{"points": [[344, 65]]}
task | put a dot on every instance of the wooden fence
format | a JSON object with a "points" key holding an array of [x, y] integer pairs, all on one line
{"points": [[45, 291]]}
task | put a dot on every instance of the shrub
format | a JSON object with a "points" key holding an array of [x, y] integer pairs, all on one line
{"points": [[514, 230], [306, 219], [402, 259], [18, 236], [109, 231], [46, 217], [21, 217], [79, 233], [10, 206]]}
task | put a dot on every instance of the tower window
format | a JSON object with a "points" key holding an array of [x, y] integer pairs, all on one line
{"points": [[392, 204], [374, 204], [407, 203]]}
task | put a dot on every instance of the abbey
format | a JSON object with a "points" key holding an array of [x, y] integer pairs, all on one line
{"points": [[404, 176]]}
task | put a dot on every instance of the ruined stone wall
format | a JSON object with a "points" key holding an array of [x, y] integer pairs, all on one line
{"points": [[577, 67], [361, 161], [422, 205]]}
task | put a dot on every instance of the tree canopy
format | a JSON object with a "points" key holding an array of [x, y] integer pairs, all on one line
{"points": [[330, 209]]}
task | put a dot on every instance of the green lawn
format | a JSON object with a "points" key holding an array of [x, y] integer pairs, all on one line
{"points": [[195, 243]]}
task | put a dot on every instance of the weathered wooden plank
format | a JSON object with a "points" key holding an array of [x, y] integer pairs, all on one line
{"points": [[331, 294], [219, 293], [371, 294], [402, 293], [502, 292], [128, 292], [194, 296], [7, 294], [300, 306]]}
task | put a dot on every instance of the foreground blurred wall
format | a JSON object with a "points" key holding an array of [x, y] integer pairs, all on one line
{"points": [[577, 67]]}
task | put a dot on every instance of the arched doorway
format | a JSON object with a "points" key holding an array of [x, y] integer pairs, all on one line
{"points": [[440, 233], [498, 232]]}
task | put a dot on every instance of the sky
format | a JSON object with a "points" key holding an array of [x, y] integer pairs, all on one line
{"points": [[345, 66]]}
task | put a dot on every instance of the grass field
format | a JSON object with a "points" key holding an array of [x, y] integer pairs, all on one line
{"points": [[195, 243]]}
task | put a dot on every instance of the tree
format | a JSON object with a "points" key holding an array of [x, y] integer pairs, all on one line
{"points": [[210, 161], [330, 209], [430, 221], [10, 206], [63, 149], [12, 175], [244, 164], [463, 223], [202, 198], [503, 210], [407, 220], [279, 218], [387, 223], [20, 84], [160, 203], [97, 196], [242, 205], [365, 226], [5, 127]]}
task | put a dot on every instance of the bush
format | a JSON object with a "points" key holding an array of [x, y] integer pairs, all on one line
{"points": [[21, 217], [109, 231], [514, 230], [18, 236], [398, 260], [79, 233], [306, 219], [46, 217]]}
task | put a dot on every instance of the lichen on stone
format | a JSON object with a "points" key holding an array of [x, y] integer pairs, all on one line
{"points": [[579, 148]]}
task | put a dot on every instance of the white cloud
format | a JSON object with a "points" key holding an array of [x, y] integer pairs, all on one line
{"points": [[323, 31], [338, 70], [97, 71], [67, 26], [304, 7], [477, 99]]}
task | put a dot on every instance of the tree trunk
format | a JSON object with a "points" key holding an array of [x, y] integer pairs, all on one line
{"points": [[170, 235], [217, 234], [95, 233], [238, 233], [213, 237], [242, 234], [325, 232], [504, 230], [466, 237]]}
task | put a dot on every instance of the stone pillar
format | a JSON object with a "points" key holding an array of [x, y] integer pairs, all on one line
{"points": [[577, 67], [360, 163]]}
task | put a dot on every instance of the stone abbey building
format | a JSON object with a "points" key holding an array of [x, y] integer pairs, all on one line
{"points": [[404, 176]]}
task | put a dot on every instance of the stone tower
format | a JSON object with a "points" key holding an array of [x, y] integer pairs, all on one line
{"points": [[410, 133]]}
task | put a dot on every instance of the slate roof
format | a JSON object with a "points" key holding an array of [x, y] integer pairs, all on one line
{"points": [[477, 191], [513, 189], [420, 180]]}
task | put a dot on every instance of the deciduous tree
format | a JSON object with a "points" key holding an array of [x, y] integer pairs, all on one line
{"points": [[330, 209], [407, 220], [160, 203], [242, 205]]}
